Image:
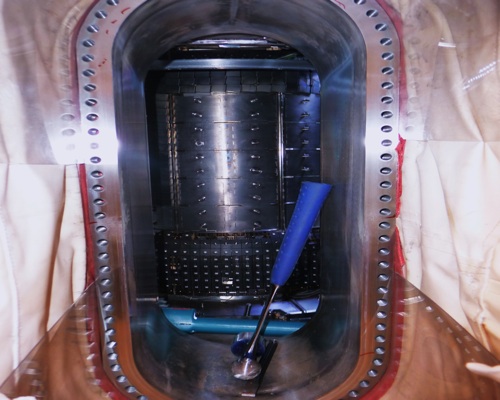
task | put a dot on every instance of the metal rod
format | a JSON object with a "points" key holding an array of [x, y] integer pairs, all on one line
{"points": [[262, 319], [231, 63], [281, 161]]}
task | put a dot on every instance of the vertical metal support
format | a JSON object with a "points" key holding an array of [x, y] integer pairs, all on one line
{"points": [[173, 162], [281, 161]]}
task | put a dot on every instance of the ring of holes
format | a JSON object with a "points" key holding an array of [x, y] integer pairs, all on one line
{"points": [[105, 282], [382, 277], [387, 56], [101, 229], [89, 73]]}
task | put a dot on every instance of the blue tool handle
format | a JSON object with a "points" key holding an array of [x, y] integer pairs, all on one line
{"points": [[311, 197]]}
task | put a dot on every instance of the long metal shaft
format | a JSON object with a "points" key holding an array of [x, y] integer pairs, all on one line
{"points": [[262, 319]]}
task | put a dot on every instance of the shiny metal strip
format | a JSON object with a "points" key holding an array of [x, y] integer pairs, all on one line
{"points": [[281, 159], [227, 64]]}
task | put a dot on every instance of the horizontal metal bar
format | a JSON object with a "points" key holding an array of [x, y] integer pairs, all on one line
{"points": [[231, 63]]}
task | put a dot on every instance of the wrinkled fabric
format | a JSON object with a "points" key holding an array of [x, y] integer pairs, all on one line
{"points": [[37, 101], [492, 372], [450, 220], [42, 254], [42, 242], [2, 397]]}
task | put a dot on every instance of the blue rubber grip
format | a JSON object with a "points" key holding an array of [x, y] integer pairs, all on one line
{"points": [[311, 197]]}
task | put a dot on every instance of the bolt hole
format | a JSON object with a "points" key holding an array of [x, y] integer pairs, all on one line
{"points": [[92, 28], [380, 339], [68, 132], [88, 43], [388, 56], [384, 225], [388, 70], [67, 117], [384, 251], [88, 73], [385, 212], [90, 87]]}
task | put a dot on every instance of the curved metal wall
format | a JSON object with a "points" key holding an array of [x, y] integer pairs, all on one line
{"points": [[359, 135]]}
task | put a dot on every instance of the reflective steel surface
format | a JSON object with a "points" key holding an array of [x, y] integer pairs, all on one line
{"points": [[431, 350], [355, 50]]}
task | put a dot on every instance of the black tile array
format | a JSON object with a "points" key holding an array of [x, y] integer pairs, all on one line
{"points": [[224, 265]]}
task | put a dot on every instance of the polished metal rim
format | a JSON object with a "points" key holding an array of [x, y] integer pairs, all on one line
{"points": [[98, 147]]}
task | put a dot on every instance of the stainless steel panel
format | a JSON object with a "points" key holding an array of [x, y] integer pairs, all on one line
{"points": [[242, 135], [302, 108], [227, 192], [302, 135], [302, 162], [227, 218], [206, 166], [231, 63], [221, 107], [222, 162]]}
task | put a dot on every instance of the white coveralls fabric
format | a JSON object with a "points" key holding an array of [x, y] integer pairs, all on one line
{"points": [[42, 240], [449, 220], [2, 397]]}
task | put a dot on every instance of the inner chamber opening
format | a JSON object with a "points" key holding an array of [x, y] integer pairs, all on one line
{"points": [[317, 74], [233, 130]]}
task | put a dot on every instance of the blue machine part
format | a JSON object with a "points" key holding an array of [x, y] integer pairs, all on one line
{"points": [[187, 321]]}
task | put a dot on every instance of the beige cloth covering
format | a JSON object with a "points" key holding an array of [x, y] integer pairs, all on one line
{"points": [[450, 215], [449, 219], [42, 242], [2, 397]]}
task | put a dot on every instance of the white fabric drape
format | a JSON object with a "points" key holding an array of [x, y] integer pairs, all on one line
{"points": [[450, 219], [42, 241]]}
